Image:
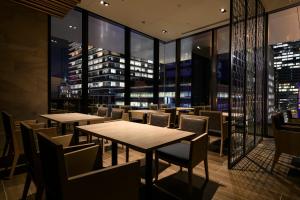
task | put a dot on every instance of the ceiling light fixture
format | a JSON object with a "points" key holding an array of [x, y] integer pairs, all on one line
{"points": [[222, 10], [164, 31], [198, 47], [104, 3]]}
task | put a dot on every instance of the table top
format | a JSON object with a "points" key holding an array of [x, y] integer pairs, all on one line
{"points": [[142, 137], [183, 108], [144, 111], [71, 117]]}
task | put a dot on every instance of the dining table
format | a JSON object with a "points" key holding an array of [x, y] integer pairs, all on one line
{"points": [[71, 118], [144, 138]]}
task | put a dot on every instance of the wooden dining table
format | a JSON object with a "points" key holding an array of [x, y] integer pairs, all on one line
{"points": [[71, 118], [140, 137]]}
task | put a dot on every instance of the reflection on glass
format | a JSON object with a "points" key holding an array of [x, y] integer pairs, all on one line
{"points": [[167, 73], [66, 62], [141, 70], [194, 69], [222, 69]]}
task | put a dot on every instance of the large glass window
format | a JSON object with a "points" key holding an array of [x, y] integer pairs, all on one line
{"points": [[167, 73], [141, 70], [66, 62], [195, 69], [106, 79], [222, 69]]}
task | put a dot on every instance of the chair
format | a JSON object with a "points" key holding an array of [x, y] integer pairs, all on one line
{"points": [[73, 176], [163, 106], [116, 114], [102, 112], [153, 107], [291, 120], [286, 141], [31, 150], [207, 107], [197, 109], [291, 126], [172, 112], [185, 155], [160, 119], [193, 123], [217, 126]]}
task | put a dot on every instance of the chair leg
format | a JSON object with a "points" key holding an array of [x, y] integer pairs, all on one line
{"points": [[127, 154], [39, 192], [190, 179], [180, 169], [221, 147], [14, 164], [26, 187], [206, 168], [276, 158], [156, 166], [5, 148]]}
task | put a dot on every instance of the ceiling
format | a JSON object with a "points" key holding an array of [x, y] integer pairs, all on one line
{"points": [[179, 17]]}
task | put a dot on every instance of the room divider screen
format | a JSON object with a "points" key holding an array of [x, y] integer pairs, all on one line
{"points": [[246, 72]]}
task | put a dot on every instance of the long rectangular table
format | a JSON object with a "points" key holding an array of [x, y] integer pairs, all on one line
{"points": [[140, 137], [71, 118]]}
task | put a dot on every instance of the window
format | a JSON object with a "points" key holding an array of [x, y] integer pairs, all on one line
{"points": [[141, 70], [167, 73], [195, 69], [106, 62], [66, 61]]}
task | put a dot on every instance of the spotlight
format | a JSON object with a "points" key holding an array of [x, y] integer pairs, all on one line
{"points": [[164, 31], [223, 10]]}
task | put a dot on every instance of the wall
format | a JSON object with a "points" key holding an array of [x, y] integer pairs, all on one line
{"points": [[23, 61]]}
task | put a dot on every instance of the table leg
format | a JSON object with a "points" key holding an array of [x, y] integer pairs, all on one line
{"points": [[148, 175], [114, 153], [76, 133], [63, 128], [49, 123], [145, 118]]}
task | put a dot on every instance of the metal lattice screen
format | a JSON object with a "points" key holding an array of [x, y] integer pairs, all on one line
{"points": [[246, 87]]}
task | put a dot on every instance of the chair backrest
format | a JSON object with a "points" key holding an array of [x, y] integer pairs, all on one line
{"points": [[193, 123], [102, 112], [116, 113], [31, 151], [197, 109], [215, 119], [126, 108], [160, 119], [53, 167], [153, 107], [198, 149], [10, 131], [207, 107], [289, 114], [172, 112], [7, 125], [163, 106]]}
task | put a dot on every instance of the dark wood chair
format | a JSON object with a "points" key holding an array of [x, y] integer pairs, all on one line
{"points": [[13, 146], [160, 119], [286, 141], [31, 151], [163, 106], [73, 176], [116, 113], [102, 112], [153, 107], [185, 155], [172, 112], [217, 126]]}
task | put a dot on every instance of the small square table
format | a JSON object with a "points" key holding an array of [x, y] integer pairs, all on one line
{"points": [[140, 137]]}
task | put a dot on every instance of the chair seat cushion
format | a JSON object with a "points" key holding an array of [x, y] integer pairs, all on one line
{"points": [[177, 153], [214, 131]]}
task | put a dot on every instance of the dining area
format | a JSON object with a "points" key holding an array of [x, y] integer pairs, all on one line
{"points": [[65, 151]]}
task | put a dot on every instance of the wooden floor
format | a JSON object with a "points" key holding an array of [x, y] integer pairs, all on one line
{"points": [[250, 179]]}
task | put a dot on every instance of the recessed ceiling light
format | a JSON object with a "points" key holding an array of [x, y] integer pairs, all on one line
{"points": [[164, 31], [198, 47], [222, 10], [70, 26], [104, 3]]}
